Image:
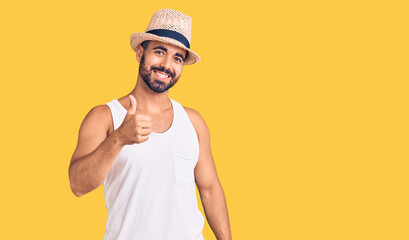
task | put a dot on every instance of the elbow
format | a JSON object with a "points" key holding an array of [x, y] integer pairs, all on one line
{"points": [[75, 191], [77, 194], [73, 186], [79, 187]]}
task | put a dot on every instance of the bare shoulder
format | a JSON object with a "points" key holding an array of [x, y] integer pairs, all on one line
{"points": [[99, 115], [93, 130], [100, 111], [194, 115]]}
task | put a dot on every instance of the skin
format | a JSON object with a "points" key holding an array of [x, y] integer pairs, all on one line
{"points": [[149, 110]]}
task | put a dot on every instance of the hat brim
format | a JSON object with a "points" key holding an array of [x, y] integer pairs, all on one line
{"points": [[138, 38]]}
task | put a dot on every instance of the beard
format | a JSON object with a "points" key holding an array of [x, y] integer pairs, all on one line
{"points": [[154, 84]]}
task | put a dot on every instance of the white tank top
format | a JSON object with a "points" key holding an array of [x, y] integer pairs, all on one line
{"points": [[150, 189]]}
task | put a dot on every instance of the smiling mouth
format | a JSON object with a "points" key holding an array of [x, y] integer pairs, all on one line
{"points": [[161, 75]]}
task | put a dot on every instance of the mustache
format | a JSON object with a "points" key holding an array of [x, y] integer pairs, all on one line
{"points": [[163, 70]]}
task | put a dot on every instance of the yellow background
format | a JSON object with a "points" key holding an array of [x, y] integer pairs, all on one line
{"points": [[306, 102]]}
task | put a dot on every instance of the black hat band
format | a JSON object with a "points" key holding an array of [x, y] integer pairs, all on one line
{"points": [[170, 34]]}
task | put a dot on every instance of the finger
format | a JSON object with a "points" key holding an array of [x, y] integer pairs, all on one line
{"points": [[132, 108], [144, 124], [145, 131], [142, 117], [143, 138]]}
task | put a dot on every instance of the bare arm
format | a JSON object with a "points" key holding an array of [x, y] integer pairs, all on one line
{"points": [[95, 152], [207, 181]]}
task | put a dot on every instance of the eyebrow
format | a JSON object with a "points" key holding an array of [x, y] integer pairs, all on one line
{"points": [[166, 50]]}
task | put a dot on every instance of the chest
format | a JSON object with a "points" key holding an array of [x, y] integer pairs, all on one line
{"points": [[161, 122]]}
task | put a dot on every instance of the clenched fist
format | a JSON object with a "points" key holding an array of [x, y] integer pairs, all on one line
{"points": [[136, 127]]}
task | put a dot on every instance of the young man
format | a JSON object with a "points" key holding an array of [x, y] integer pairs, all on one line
{"points": [[148, 150]]}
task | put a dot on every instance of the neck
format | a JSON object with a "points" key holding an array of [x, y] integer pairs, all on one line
{"points": [[149, 100]]}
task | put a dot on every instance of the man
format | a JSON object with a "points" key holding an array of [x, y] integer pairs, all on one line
{"points": [[148, 150]]}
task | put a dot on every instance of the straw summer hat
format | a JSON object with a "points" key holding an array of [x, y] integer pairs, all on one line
{"points": [[168, 26]]}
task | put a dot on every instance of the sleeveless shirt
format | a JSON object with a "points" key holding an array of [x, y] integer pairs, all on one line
{"points": [[150, 189]]}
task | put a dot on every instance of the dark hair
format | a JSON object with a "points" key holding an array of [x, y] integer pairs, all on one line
{"points": [[145, 45], [187, 53]]}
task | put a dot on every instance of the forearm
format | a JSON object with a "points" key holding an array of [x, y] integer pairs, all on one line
{"points": [[88, 172], [215, 207]]}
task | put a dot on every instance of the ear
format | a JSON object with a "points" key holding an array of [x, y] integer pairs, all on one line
{"points": [[139, 52]]}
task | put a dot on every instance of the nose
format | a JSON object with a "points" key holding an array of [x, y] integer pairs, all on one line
{"points": [[166, 62]]}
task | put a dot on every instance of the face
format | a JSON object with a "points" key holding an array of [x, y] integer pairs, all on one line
{"points": [[160, 65]]}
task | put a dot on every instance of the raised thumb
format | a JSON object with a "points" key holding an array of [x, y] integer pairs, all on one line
{"points": [[132, 107]]}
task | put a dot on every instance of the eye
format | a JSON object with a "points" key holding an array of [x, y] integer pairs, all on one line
{"points": [[160, 52], [178, 59]]}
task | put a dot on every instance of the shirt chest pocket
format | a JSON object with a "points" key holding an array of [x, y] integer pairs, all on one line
{"points": [[183, 168]]}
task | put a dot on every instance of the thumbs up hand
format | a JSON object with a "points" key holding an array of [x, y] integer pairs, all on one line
{"points": [[136, 127]]}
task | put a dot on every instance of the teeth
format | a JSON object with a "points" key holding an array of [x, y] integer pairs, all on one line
{"points": [[161, 75]]}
